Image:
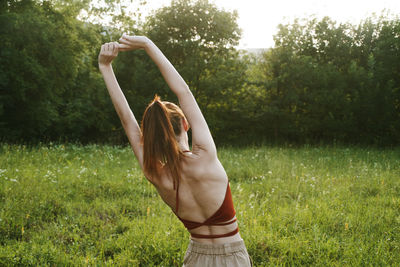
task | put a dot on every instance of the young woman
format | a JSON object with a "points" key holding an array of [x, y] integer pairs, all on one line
{"points": [[192, 183]]}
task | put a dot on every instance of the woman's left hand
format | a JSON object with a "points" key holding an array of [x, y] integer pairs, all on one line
{"points": [[133, 42], [108, 52]]}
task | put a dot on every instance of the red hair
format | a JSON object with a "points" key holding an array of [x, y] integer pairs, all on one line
{"points": [[160, 125]]}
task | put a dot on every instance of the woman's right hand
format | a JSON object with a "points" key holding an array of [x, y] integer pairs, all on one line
{"points": [[132, 42], [108, 52]]}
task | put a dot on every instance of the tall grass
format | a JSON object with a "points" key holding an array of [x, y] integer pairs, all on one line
{"points": [[90, 205]]}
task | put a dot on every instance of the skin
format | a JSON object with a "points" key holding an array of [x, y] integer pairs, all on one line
{"points": [[203, 179]]}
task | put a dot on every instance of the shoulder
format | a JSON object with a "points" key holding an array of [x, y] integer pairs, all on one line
{"points": [[198, 159], [200, 165]]}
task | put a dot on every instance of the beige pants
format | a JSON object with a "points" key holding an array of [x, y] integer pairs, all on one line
{"points": [[208, 255]]}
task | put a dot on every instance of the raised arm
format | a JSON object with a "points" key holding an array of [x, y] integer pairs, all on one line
{"points": [[108, 52], [201, 136]]}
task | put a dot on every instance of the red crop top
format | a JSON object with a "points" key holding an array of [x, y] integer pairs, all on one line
{"points": [[223, 216]]}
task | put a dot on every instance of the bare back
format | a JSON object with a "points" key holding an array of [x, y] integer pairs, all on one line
{"points": [[201, 192]]}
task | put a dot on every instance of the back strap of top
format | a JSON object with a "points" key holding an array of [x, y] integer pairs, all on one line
{"points": [[234, 232]]}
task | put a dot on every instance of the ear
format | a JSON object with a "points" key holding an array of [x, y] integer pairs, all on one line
{"points": [[185, 124]]}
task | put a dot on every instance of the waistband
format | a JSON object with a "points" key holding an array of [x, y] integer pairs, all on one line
{"points": [[216, 249]]}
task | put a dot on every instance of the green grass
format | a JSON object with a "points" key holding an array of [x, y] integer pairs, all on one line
{"points": [[90, 205]]}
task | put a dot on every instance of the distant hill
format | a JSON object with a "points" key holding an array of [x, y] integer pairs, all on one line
{"points": [[256, 52]]}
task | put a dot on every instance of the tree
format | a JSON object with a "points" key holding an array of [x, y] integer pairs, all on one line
{"points": [[39, 61], [199, 39], [49, 82], [329, 81]]}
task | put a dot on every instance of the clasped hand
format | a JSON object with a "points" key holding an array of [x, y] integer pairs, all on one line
{"points": [[109, 51]]}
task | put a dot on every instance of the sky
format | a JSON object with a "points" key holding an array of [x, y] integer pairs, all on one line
{"points": [[259, 19]]}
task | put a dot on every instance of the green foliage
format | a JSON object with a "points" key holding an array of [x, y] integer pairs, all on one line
{"points": [[47, 73], [324, 81], [31, 75], [90, 205], [60, 94], [50, 85]]}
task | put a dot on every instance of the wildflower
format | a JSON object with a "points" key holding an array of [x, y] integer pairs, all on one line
{"points": [[148, 211], [83, 170], [346, 226]]}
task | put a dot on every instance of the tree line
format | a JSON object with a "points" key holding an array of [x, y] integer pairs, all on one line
{"points": [[321, 82]]}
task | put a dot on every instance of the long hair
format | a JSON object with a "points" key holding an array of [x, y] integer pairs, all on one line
{"points": [[160, 124]]}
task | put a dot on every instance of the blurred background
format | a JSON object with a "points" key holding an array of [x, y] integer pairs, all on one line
{"points": [[288, 72]]}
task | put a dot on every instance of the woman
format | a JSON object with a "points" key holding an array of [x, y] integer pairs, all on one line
{"points": [[192, 183]]}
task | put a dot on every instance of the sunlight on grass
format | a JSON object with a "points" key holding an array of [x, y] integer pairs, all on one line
{"points": [[90, 205]]}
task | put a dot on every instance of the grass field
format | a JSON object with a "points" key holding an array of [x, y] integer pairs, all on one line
{"points": [[91, 206]]}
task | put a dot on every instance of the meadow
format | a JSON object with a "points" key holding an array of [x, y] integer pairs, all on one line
{"points": [[73, 205]]}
